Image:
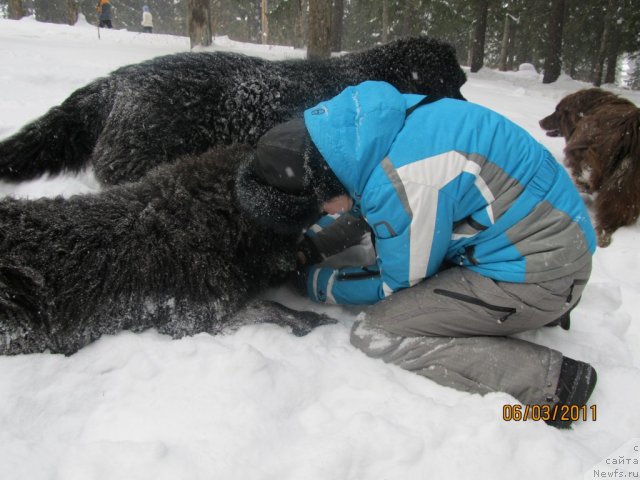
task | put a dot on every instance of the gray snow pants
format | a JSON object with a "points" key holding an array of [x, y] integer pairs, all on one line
{"points": [[454, 328]]}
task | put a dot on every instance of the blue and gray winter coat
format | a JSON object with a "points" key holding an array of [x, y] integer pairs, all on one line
{"points": [[452, 183]]}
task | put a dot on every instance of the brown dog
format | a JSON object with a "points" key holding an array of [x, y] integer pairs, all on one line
{"points": [[602, 153]]}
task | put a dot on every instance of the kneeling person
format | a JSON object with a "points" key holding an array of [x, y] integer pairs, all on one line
{"points": [[478, 233]]}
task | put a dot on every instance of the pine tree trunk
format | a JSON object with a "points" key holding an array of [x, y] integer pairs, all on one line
{"points": [[72, 12], [319, 34], [297, 16], [602, 50], [553, 58], [613, 53], [523, 46], [508, 37], [635, 75], [215, 17], [476, 49], [612, 66], [51, 11], [337, 15], [16, 10], [385, 21], [264, 22], [199, 22], [406, 19], [511, 52], [606, 41]]}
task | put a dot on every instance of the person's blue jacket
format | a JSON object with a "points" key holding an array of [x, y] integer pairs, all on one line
{"points": [[451, 183], [105, 11]]}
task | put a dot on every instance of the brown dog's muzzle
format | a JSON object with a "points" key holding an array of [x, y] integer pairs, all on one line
{"points": [[550, 125]]}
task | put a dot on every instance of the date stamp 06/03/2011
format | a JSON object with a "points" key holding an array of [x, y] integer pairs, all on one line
{"points": [[573, 413]]}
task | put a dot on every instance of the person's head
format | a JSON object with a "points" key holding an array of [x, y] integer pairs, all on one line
{"points": [[287, 183], [288, 160], [145, 9]]}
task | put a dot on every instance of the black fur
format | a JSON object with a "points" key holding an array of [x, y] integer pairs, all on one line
{"points": [[173, 252], [153, 112]]}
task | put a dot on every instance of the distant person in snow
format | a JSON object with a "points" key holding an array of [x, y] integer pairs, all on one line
{"points": [[147, 20], [478, 233], [104, 10]]}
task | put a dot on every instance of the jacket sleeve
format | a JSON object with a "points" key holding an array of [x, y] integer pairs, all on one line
{"points": [[333, 234], [411, 239]]}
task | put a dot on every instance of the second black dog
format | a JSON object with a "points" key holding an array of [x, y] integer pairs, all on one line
{"points": [[153, 112], [172, 252]]}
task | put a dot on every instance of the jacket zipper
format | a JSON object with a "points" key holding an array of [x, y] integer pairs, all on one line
{"points": [[508, 311]]}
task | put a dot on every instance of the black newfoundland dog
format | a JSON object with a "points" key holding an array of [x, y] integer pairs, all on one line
{"points": [[175, 251], [146, 114]]}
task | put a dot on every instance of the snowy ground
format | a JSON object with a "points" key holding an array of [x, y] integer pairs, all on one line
{"points": [[261, 403]]}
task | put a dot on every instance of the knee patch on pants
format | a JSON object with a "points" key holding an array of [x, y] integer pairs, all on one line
{"points": [[373, 341]]}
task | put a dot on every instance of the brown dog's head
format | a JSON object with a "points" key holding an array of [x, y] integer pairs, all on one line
{"points": [[572, 108]]}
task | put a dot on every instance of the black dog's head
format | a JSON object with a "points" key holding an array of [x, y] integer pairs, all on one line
{"points": [[421, 65]]}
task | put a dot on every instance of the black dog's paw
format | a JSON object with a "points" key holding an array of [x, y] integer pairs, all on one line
{"points": [[261, 311], [302, 323]]}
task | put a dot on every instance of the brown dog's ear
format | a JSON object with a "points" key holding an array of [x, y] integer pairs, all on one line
{"points": [[570, 111], [567, 122]]}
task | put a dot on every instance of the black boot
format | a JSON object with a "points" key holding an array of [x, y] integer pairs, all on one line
{"points": [[575, 385], [563, 322]]}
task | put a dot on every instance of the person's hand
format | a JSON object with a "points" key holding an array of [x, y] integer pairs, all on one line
{"points": [[307, 253]]}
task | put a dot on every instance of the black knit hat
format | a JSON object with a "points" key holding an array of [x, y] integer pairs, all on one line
{"points": [[287, 159]]}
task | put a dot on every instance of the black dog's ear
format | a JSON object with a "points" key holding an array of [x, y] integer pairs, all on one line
{"points": [[270, 208]]}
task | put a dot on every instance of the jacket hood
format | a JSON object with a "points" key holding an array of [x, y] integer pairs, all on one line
{"points": [[355, 130]]}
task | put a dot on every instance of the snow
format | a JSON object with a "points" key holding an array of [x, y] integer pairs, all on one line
{"points": [[261, 403]]}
